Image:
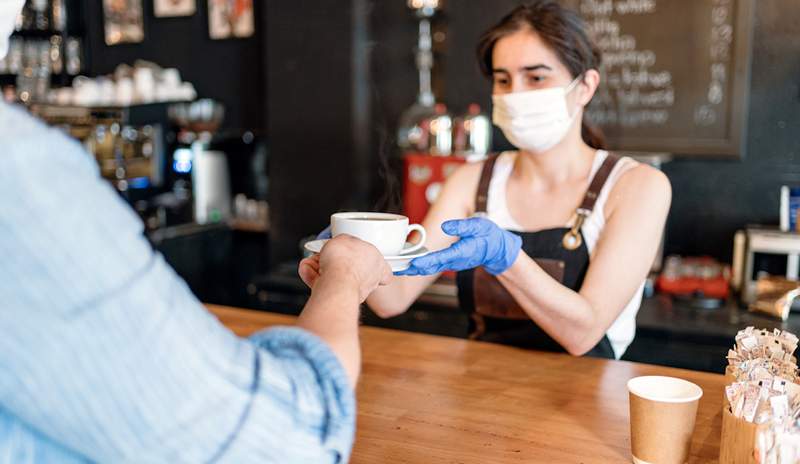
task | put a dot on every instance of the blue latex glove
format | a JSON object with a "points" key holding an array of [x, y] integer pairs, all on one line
{"points": [[481, 243], [326, 233]]}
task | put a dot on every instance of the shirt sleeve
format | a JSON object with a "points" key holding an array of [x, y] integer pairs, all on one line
{"points": [[19, 444], [106, 352], [315, 377]]}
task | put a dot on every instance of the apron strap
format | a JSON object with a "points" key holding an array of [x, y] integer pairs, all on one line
{"points": [[482, 195], [598, 181], [572, 239]]}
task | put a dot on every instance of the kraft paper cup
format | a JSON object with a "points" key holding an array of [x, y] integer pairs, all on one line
{"points": [[663, 412]]}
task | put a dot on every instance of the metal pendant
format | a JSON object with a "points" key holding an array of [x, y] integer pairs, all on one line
{"points": [[572, 240]]}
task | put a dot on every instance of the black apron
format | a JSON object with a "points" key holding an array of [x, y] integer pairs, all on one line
{"points": [[494, 314]]}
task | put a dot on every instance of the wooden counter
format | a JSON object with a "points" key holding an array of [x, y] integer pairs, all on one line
{"points": [[429, 399]]}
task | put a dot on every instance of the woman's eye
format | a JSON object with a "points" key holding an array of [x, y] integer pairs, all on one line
{"points": [[535, 79]]}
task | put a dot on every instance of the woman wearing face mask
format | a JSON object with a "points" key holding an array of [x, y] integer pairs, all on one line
{"points": [[560, 234]]}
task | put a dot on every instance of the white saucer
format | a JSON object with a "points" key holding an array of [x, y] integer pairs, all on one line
{"points": [[397, 262]]}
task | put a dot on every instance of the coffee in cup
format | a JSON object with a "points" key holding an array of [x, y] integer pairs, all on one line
{"points": [[386, 231]]}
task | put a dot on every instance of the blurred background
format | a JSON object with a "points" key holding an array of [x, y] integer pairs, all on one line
{"points": [[236, 127]]}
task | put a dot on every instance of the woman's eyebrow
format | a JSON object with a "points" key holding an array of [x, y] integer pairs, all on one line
{"points": [[533, 67]]}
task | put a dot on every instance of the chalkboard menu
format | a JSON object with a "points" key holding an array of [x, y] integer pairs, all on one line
{"points": [[675, 73]]}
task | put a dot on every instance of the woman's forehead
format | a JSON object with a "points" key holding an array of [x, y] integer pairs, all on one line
{"points": [[523, 49]]}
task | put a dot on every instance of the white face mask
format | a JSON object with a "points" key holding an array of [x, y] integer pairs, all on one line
{"points": [[535, 120], [9, 10]]}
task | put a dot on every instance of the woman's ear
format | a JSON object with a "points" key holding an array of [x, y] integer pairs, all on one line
{"points": [[591, 79]]}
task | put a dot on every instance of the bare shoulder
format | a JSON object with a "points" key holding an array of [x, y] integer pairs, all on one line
{"points": [[461, 185], [468, 173], [641, 186]]}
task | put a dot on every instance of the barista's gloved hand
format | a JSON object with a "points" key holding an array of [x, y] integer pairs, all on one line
{"points": [[325, 234], [481, 243]]}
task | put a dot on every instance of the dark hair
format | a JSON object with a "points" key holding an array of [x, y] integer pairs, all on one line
{"points": [[560, 28]]}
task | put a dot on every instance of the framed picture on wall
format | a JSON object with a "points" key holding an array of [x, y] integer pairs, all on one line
{"points": [[230, 18], [124, 21], [172, 8]]}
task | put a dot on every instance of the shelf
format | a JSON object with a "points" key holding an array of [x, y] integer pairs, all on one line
{"points": [[38, 34], [137, 115], [244, 225], [56, 80]]}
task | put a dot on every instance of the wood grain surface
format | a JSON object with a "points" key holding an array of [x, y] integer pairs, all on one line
{"points": [[430, 399]]}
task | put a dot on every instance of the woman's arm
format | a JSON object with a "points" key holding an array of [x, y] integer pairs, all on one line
{"points": [[456, 200], [635, 215]]}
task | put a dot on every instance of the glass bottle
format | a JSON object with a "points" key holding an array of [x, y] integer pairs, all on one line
{"points": [[473, 133], [41, 19]]}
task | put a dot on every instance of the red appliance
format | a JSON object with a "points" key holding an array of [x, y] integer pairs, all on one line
{"points": [[423, 177], [701, 276]]}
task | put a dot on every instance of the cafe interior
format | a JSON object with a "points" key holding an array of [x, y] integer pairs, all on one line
{"points": [[235, 129]]}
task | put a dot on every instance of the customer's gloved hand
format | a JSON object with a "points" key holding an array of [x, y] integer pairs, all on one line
{"points": [[481, 243]]}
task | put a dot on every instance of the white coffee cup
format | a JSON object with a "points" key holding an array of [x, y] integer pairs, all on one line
{"points": [[388, 232], [144, 85]]}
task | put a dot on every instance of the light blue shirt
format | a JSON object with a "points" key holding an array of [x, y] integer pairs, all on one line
{"points": [[105, 354]]}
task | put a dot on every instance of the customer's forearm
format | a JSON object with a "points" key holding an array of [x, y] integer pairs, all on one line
{"points": [[332, 314]]}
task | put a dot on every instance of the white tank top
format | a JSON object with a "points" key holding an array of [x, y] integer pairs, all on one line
{"points": [[623, 329]]}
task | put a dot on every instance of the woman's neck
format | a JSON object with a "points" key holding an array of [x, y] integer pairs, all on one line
{"points": [[568, 161]]}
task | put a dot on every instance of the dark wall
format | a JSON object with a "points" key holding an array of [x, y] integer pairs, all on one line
{"points": [[317, 116], [227, 70], [711, 199]]}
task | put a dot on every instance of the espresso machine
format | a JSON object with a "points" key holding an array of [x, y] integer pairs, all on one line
{"points": [[434, 142], [128, 143], [222, 171], [195, 166]]}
